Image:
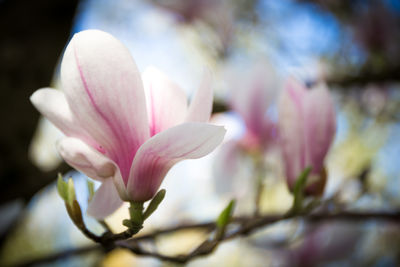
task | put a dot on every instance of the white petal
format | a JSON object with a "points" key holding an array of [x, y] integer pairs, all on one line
{"points": [[201, 105], [86, 159], [166, 102], [105, 201], [156, 156], [53, 105]]}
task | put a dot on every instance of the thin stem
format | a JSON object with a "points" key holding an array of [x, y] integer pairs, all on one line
{"points": [[208, 226], [259, 181], [135, 223]]}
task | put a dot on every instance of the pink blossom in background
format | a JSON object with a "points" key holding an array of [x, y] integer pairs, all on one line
{"points": [[124, 129], [307, 126], [252, 96], [253, 90]]}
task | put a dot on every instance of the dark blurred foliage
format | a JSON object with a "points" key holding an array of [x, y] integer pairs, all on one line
{"points": [[33, 34], [375, 28]]}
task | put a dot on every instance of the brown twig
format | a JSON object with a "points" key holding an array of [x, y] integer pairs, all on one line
{"points": [[105, 225], [208, 226]]}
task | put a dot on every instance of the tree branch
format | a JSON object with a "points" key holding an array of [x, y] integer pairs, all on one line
{"points": [[367, 76], [246, 226]]}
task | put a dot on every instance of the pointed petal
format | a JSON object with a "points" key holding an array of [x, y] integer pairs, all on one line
{"points": [[291, 136], [156, 156], [319, 125], [201, 105], [166, 102], [105, 93], [86, 159], [105, 201], [52, 104]]}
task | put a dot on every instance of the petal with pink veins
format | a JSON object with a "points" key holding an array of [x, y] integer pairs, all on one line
{"points": [[166, 102], [297, 92], [105, 201], [154, 159], [104, 90]]}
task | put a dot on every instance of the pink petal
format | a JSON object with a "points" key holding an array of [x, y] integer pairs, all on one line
{"points": [[120, 186], [105, 201], [105, 93], [156, 156], [319, 125], [52, 104], [86, 159], [297, 92], [201, 105], [291, 136], [166, 102]]}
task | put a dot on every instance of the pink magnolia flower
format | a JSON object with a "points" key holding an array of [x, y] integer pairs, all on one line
{"points": [[119, 130], [307, 126]]}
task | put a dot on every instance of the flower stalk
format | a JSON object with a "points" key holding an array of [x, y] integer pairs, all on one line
{"points": [[135, 223]]}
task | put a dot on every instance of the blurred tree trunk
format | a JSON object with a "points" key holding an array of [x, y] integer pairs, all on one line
{"points": [[33, 35]]}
